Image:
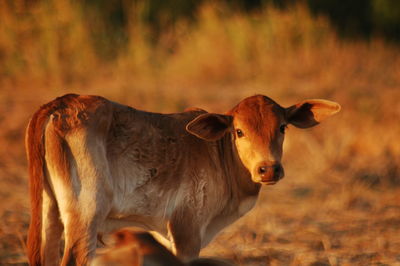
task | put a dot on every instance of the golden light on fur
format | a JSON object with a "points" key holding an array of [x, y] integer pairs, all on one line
{"points": [[96, 166]]}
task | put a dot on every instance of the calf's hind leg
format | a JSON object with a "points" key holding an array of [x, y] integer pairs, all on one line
{"points": [[82, 219], [51, 230], [82, 214], [85, 198], [80, 235]]}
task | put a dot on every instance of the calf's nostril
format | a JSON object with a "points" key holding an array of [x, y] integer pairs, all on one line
{"points": [[277, 168], [278, 171], [262, 170]]}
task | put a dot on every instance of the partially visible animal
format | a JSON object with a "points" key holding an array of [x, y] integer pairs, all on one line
{"points": [[96, 166], [134, 247]]}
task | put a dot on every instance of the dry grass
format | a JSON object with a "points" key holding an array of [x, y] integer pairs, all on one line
{"points": [[340, 201]]}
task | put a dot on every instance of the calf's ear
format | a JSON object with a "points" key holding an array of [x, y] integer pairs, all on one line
{"points": [[310, 112], [210, 126]]}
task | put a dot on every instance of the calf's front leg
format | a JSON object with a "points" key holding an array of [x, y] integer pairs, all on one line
{"points": [[184, 229]]}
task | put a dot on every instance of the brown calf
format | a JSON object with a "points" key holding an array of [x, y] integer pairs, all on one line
{"points": [[96, 166], [139, 248]]}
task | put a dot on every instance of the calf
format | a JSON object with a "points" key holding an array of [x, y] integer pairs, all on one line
{"points": [[139, 248], [96, 166]]}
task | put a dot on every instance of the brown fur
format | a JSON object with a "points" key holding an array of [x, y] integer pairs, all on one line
{"points": [[96, 166]]}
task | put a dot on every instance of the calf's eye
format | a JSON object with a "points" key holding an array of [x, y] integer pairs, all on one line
{"points": [[282, 128], [239, 133]]}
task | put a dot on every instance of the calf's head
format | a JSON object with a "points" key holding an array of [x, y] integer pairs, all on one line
{"points": [[257, 125]]}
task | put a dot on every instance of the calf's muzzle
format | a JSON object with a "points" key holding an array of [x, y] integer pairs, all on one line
{"points": [[270, 173]]}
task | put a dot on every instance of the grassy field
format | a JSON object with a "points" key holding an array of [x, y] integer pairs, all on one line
{"points": [[339, 203]]}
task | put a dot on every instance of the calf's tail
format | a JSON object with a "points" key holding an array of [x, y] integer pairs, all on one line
{"points": [[35, 149]]}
